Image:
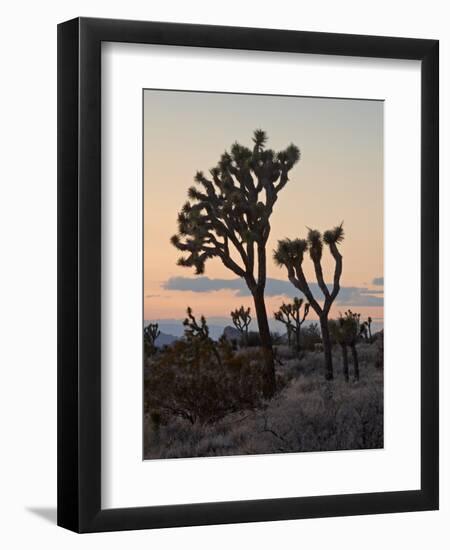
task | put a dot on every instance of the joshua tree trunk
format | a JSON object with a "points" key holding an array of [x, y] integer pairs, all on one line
{"points": [[345, 361], [355, 361], [326, 347], [266, 343]]}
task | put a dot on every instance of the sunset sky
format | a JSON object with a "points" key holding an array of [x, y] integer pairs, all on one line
{"points": [[339, 178]]}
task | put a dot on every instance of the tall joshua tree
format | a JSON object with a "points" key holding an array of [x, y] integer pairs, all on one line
{"points": [[151, 333], [228, 217], [241, 320], [290, 315], [290, 254]]}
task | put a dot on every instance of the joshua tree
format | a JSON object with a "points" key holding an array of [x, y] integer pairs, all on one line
{"points": [[338, 331], [241, 320], [290, 255], [363, 331], [366, 331], [369, 323], [228, 217], [151, 333], [289, 315], [195, 332], [283, 316], [352, 325]]}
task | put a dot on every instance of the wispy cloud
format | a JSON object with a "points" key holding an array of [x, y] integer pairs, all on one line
{"points": [[351, 296], [378, 281]]}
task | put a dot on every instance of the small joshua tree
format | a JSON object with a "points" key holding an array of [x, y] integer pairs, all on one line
{"points": [[352, 329], [193, 329], [290, 315], [290, 254], [363, 331], [338, 331], [369, 328], [283, 316], [151, 333], [228, 217], [241, 320], [366, 331], [199, 332]]}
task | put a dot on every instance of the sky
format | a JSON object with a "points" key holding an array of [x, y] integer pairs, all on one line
{"points": [[339, 178]]}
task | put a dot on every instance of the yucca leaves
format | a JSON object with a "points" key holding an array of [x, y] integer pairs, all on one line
{"points": [[335, 235], [259, 138]]}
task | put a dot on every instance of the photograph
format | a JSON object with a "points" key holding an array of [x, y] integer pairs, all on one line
{"points": [[263, 274]]}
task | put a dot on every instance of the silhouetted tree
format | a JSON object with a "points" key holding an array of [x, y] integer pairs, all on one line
{"points": [[366, 331], [352, 326], [151, 333], [338, 332], [241, 320], [227, 217], [363, 331], [195, 332], [290, 316], [290, 254], [369, 327]]}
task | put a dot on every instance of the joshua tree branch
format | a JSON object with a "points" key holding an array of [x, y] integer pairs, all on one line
{"points": [[337, 271], [320, 279], [299, 281]]}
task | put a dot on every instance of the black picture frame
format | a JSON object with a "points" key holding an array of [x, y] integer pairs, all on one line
{"points": [[79, 274]]}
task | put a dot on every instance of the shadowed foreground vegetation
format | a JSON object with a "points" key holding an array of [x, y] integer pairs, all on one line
{"points": [[199, 408]]}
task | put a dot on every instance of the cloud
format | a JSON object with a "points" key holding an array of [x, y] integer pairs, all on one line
{"points": [[351, 296], [378, 281]]}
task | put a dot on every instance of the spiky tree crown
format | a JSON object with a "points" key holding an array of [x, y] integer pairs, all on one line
{"points": [[345, 329], [241, 318], [151, 333], [290, 313], [349, 326], [290, 253], [335, 235], [232, 207], [193, 328]]}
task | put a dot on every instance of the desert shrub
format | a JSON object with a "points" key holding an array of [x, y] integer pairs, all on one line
{"points": [[307, 413], [285, 352], [315, 416], [201, 381], [367, 353]]}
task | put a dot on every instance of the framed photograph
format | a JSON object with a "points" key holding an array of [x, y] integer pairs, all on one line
{"points": [[248, 275]]}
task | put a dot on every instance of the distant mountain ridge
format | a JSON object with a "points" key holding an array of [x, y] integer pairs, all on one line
{"points": [[165, 340], [173, 329]]}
